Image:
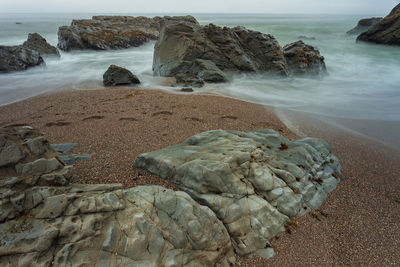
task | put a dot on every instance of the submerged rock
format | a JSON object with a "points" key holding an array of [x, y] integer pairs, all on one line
{"points": [[116, 75], [254, 182], [45, 220], [112, 32], [303, 59], [38, 43], [386, 31], [364, 25], [16, 58]]}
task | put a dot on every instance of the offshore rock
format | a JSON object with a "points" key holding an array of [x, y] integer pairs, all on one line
{"points": [[17, 58], [116, 75], [113, 32], [387, 31], [364, 25], [38, 43], [45, 220], [304, 59], [254, 182]]}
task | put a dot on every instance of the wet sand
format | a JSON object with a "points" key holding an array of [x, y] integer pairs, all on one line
{"points": [[359, 224]]}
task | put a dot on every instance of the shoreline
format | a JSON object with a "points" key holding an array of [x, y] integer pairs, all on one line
{"points": [[357, 225]]}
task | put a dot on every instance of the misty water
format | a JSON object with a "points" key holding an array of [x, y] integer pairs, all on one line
{"points": [[363, 84]]}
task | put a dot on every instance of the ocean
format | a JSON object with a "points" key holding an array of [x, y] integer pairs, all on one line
{"points": [[360, 94]]}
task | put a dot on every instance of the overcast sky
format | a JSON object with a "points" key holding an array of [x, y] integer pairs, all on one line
{"points": [[373, 7]]}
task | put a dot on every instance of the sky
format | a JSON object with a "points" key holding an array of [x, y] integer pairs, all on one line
{"points": [[370, 7]]}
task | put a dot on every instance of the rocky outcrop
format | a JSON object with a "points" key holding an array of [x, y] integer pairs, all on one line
{"points": [[16, 58], [364, 25], [207, 54], [254, 182], [387, 31], [47, 221], [113, 32], [303, 59], [208, 50], [38, 43], [116, 75]]}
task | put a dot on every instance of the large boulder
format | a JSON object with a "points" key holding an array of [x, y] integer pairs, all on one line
{"points": [[116, 75], [16, 58], [254, 182], [219, 49], [303, 59], [45, 220], [364, 25], [387, 31], [38, 43], [112, 32]]}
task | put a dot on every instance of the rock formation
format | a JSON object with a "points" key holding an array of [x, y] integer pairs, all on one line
{"points": [[16, 58], [364, 25], [303, 59], [196, 54], [112, 32], [254, 182], [38, 43], [47, 221], [387, 31], [116, 75]]}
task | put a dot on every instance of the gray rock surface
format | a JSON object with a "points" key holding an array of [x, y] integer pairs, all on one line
{"points": [[38, 43], [116, 75], [47, 221], [386, 31], [364, 25], [254, 182], [112, 32], [303, 59], [206, 51], [17, 58]]}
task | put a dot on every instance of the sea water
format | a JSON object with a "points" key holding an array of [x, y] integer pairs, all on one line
{"points": [[363, 82]]}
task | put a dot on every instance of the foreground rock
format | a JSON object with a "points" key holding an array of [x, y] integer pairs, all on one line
{"points": [[17, 58], [303, 59], [197, 54], [113, 32], [47, 221], [255, 182], [116, 75], [38, 43], [364, 25], [387, 31]]}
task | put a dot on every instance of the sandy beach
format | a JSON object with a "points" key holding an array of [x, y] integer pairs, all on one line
{"points": [[359, 224]]}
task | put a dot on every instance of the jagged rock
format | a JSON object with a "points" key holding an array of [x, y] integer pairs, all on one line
{"points": [[364, 25], [116, 75], [229, 49], [45, 220], [386, 31], [304, 59], [16, 58], [112, 32], [38, 43], [253, 181]]}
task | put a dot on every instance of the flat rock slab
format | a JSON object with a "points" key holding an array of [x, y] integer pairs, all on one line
{"points": [[254, 182], [47, 221]]}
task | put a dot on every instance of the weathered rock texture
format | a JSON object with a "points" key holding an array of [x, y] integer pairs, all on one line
{"points": [[364, 25], [47, 221], [16, 58], [112, 32], [38, 43], [255, 182], [303, 59], [387, 31], [116, 75], [208, 53]]}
